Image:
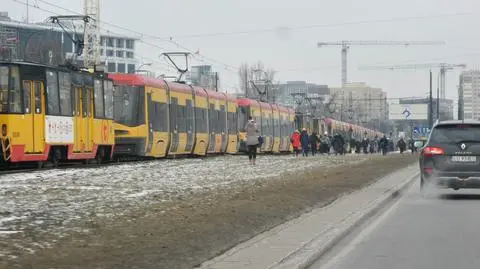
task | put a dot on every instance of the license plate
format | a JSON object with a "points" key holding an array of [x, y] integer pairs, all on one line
{"points": [[464, 159]]}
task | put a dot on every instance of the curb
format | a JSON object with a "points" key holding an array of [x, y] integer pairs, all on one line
{"points": [[309, 259]]}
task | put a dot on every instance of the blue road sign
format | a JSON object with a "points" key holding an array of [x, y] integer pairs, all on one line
{"points": [[421, 130]]}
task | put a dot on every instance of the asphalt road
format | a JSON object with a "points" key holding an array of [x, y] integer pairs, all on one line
{"points": [[441, 230]]}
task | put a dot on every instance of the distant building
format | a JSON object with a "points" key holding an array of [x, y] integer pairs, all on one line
{"points": [[48, 44], [361, 104], [203, 76], [469, 95], [445, 108], [293, 93]]}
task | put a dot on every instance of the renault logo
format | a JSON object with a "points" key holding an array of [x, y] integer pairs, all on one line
{"points": [[463, 146]]}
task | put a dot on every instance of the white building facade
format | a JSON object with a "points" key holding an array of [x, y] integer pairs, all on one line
{"points": [[360, 103], [469, 95]]}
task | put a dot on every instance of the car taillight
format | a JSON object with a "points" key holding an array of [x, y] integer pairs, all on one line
{"points": [[433, 151], [4, 130]]}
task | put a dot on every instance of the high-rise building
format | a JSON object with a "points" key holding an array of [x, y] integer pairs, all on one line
{"points": [[469, 95], [49, 44], [360, 103]]}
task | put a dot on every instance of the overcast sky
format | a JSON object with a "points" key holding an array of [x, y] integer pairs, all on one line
{"points": [[291, 48]]}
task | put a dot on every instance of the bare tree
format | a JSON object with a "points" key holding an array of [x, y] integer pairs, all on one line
{"points": [[257, 82]]}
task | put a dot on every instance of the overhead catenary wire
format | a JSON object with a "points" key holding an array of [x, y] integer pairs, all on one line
{"points": [[141, 38], [313, 26], [144, 35]]}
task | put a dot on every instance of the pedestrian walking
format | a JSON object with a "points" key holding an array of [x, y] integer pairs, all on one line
{"points": [[296, 142], [401, 145], [252, 140], [304, 140], [384, 144], [313, 143]]}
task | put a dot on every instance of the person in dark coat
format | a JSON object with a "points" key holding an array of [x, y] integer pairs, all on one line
{"points": [[313, 143], [365, 144], [383, 144], [401, 145], [305, 141], [338, 144]]}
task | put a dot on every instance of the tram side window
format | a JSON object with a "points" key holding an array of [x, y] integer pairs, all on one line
{"points": [[182, 119], [232, 122], [65, 85], [159, 123], [241, 118], [201, 120], [174, 114], [98, 98], [212, 115], [53, 100], [108, 87], [222, 119], [189, 115], [129, 106]]}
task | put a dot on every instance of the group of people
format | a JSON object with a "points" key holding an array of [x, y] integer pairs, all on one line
{"points": [[304, 142], [375, 145]]}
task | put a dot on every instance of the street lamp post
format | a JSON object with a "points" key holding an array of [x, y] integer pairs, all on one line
{"points": [[438, 96]]}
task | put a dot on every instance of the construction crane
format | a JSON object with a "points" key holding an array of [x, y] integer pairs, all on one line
{"points": [[91, 39], [345, 44], [443, 68]]}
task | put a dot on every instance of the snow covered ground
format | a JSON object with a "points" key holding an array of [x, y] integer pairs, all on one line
{"points": [[36, 204]]}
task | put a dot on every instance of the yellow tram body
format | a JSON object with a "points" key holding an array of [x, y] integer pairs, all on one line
{"points": [[54, 114]]}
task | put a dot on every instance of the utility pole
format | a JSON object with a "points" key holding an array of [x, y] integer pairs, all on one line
{"points": [[27, 19], [246, 82], [216, 81], [430, 119], [438, 93]]}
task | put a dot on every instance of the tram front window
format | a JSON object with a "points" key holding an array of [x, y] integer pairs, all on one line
{"points": [[129, 108], [3, 89], [10, 101]]}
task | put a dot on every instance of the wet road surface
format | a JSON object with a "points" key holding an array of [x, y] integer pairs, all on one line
{"points": [[439, 230]]}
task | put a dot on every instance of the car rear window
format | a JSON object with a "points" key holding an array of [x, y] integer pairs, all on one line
{"points": [[455, 133]]}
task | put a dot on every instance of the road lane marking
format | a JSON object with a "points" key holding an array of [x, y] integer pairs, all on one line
{"points": [[340, 256]]}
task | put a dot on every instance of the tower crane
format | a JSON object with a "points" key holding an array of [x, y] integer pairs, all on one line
{"points": [[92, 34], [345, 45], [443, 68]]}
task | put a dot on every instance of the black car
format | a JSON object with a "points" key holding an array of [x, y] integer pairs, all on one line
{"points": [[451, 156]]}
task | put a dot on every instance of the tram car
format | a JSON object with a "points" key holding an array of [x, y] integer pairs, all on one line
{"points": [[332, 126], [54, 114], [156, 118], [276, 124]]}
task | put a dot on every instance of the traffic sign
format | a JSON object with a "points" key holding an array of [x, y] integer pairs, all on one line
{"points": [[406, 113], [421, 130]]}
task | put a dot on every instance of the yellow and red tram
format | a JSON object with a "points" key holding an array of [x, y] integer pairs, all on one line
{"points": [[332, 126], [275, 122], [54, 114]]}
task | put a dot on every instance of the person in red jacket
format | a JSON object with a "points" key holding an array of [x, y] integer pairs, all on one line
{"points": [[296, 142]]}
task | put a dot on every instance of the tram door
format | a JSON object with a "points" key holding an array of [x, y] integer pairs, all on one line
{"points": [[83, 119], [87, 117], [35, 108], [78, 120]]}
